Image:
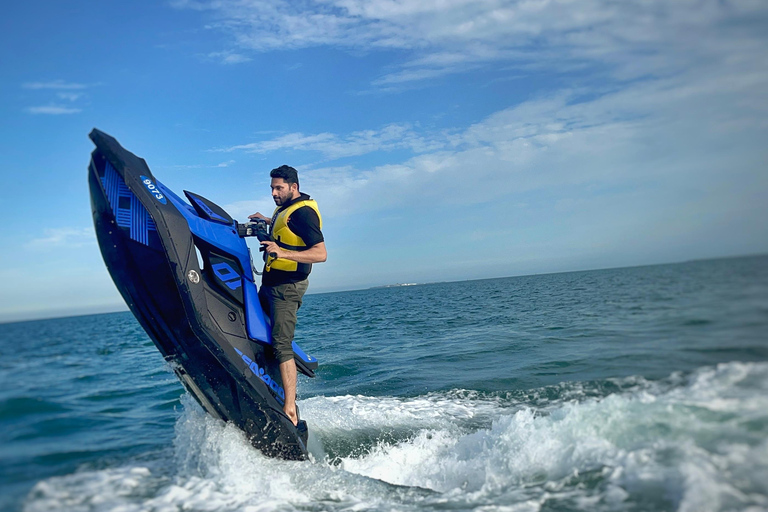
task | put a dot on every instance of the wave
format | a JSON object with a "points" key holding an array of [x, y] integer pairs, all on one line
{"points": [[690, 442]]}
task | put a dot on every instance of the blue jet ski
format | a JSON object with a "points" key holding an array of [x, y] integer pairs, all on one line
{"points": [[186, 273]]}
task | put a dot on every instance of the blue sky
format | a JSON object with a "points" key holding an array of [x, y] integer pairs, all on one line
{"points": [[443, 139]]}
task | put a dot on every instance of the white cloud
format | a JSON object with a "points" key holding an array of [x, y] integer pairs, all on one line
{"points": [[229, 57], [220, 165], [698, 138], [55, 85], [54, 110], [663, 138], [634, 38], [70, 96], [333, 146], [63, 237], [68, 91]]}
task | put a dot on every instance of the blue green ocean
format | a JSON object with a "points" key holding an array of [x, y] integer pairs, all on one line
{"points": [[633, 389]]}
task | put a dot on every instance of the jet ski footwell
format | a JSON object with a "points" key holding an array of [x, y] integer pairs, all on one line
{"points": [[187, 277]]}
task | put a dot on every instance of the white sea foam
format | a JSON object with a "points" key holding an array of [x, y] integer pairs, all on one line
{"points": [[698, 444], [339, 414]]}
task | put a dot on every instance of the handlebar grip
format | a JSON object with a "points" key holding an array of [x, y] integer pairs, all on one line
{"points": [[271, 254]]}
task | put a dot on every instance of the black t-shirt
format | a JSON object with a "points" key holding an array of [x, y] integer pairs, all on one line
{"points": [[306, 224]]}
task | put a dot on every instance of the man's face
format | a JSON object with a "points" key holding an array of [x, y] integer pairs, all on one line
{"points": [[282, 191]]}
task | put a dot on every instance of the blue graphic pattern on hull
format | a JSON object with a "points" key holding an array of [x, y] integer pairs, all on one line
{"points": [[128, 211]]}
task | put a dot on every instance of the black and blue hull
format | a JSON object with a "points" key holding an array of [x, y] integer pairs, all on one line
{"points": [[186, 275]]}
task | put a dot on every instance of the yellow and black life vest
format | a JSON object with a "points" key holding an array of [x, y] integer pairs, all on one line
{"points": [[285, 238]]}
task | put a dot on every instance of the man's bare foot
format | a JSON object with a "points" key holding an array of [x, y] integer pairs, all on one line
{"points": [[290, 411]]}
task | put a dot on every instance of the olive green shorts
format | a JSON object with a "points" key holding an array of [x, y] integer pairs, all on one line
{"points": [[281, 303]]}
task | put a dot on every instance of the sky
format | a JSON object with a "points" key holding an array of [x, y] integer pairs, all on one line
{"points": [[443, 139]]}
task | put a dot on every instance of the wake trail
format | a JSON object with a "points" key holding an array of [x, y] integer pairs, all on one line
{"points": [[690, 442]]}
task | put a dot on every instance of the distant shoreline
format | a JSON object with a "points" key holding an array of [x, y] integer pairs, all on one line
{"points": [[396, 285]]}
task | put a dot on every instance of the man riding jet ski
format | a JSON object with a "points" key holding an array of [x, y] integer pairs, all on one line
{"points": [[186, 274]]}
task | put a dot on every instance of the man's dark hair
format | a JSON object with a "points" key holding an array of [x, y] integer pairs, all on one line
{"points": [[286, 172]]}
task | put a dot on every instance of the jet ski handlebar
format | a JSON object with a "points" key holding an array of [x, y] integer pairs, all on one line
{"points": [[256, 227]]}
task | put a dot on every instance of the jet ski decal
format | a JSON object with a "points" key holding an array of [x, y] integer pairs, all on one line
{"points": [[129, 213], [153, 189], [259, 372]]}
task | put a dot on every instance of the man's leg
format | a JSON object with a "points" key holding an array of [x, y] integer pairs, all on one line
{"points": [[285, 301], [288, 375]]}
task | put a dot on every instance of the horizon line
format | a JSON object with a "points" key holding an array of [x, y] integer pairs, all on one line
{"points": [[122, 308]]}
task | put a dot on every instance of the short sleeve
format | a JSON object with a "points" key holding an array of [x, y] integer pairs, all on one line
{"points": [[305, 223]]}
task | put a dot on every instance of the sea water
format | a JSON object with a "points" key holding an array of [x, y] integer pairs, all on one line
{"points": [[635, 389]]}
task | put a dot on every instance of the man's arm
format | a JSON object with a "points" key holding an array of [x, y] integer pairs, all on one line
{"points": [[315, 254]]}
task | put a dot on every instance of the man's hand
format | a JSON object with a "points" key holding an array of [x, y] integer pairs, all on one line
{"points": [[273, 249], [259, 216]]}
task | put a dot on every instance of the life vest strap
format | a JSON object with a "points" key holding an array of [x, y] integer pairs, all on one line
{"points": [[289, 247]]}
